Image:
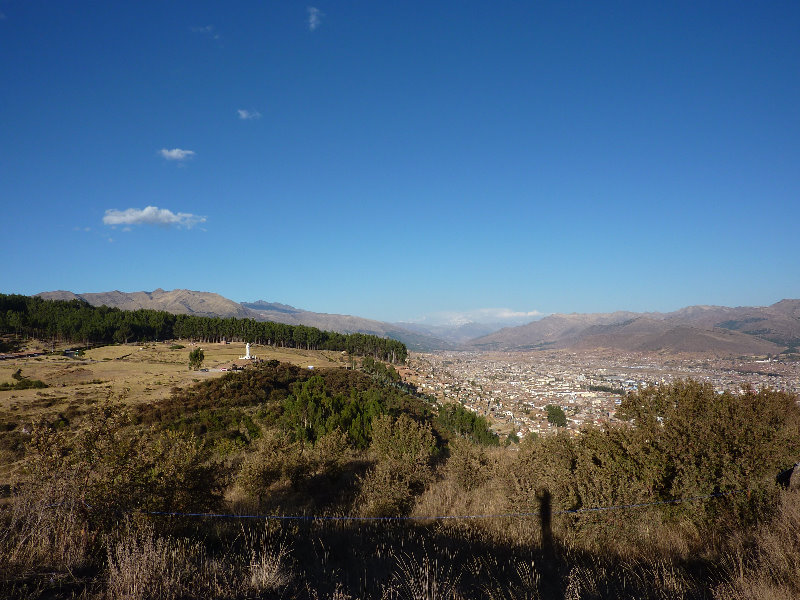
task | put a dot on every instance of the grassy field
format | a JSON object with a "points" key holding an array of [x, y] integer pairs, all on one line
{"points": [[132, 373], [139, 373]]}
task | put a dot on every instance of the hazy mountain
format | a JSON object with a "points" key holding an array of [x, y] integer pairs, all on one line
{"points": [[179, 302], [455, 334], [207, 304], [283, 313], [720, 329]]}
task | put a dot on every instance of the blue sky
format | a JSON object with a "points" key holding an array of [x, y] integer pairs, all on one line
{"points": [[397, 160]]}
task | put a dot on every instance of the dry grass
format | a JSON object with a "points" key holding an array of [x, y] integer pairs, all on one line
{"points": [[35, 534], [132, 374], [142, 372], [421, 578], [639, 553], [142, 565], [767, 566]]}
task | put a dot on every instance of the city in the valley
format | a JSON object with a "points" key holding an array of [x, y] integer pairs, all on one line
{"points": [[513, 389]]}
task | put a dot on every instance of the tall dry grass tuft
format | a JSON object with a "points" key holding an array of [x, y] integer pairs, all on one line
{"points": [[421, 578], [45, 528], [269, 568], [521, 580], [144, 566], [767, 567]]}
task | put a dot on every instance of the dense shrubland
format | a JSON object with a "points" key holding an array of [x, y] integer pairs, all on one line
{"points": [[89, 518]]}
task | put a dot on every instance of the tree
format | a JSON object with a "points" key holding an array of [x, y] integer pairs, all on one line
{"points": [[196, 358], [555, 414]]}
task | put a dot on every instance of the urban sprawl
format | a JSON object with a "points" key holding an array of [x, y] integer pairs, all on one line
{"points": [[514, 389]]}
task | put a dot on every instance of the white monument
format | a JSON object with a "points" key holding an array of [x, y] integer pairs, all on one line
{"points": [[247, 353]]}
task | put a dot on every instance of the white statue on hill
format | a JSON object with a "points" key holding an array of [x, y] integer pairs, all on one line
{"points": [[247, 353]]}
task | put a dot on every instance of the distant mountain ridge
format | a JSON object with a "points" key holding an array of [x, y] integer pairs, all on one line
{"points": [[208, 304], [717, 329], [283, 313], [179, 302]]}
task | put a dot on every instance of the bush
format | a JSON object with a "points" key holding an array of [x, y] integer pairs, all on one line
{"points": [[275, 459], [683, 442], [22, 383], [468, 465], [80, 485], [402, 450]]}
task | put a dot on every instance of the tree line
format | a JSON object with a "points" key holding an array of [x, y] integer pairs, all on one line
{"points": [[77, 321]]}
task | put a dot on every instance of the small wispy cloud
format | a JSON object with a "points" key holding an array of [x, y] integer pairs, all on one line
{"points": [[150, 215], [314, 17], [207, 30], [248, 115], [176, 154]]}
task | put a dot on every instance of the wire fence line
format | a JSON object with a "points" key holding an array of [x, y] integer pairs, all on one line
{"points": [[573, 511]]}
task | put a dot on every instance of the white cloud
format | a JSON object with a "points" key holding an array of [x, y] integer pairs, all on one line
{"points": [[150, 215], [314, 17], [176, 154], [482, 315], [207, 30], [248, 115]]}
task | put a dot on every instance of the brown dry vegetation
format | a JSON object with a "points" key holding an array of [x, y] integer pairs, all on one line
{"points": [[93, 481], [131, 374]]}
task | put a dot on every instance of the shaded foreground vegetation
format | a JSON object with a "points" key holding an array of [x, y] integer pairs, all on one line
{"points": [[103, 511], [79, 322]]}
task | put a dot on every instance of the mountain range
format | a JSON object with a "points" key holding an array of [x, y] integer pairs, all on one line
{"points": [[208, 304], [715, 329]]}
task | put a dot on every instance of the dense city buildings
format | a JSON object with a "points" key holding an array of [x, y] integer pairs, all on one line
{"points": [[513, 389]]}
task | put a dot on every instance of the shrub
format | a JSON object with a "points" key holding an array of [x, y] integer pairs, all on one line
{"points": [[22, 383], [104, 471], [468, 465], [402, 450], [275, 459]]}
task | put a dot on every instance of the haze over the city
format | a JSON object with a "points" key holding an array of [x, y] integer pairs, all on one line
{"points": [[435, 162]]}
